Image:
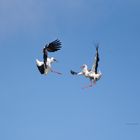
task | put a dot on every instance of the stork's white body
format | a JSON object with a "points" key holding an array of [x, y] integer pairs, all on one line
{"points": [[90, 73]]}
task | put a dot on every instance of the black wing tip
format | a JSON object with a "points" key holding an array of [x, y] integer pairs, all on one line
{"points": [[97, 46], [73, 72], [53, 46], [57, 41]]}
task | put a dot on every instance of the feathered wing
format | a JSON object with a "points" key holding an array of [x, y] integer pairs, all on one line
{"points": [[73, 72], [52, 47], [76, 73], [41, 69], [96, 60], [45, 56], [40, 66]]}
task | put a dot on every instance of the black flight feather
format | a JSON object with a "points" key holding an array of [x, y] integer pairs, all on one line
{"points": [[73, 72]]}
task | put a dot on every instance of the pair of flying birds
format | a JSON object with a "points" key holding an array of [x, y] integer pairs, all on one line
{"points": [[44, 66]]}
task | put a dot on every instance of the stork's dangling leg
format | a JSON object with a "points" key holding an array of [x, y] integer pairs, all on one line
{"points": [[91, 84], [94, 82]]}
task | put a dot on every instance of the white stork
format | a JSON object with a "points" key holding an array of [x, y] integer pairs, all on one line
{"points": [[93, 74], [44, 66]]}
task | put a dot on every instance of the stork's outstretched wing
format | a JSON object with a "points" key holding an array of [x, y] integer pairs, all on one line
{"points": [[52, 47], [73, 72], [41, 69], [96, 60]]}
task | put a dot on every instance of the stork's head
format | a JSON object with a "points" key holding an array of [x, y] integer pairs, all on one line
{"points": [[84, 66]]}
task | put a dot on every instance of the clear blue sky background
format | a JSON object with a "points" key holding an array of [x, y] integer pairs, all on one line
{"points": [[53, 107]]}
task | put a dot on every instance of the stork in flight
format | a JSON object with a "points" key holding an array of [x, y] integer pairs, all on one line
{"points": [[44, 66], [93, 74]]}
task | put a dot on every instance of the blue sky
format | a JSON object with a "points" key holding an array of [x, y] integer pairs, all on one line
{"points": [[54, 107]]}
